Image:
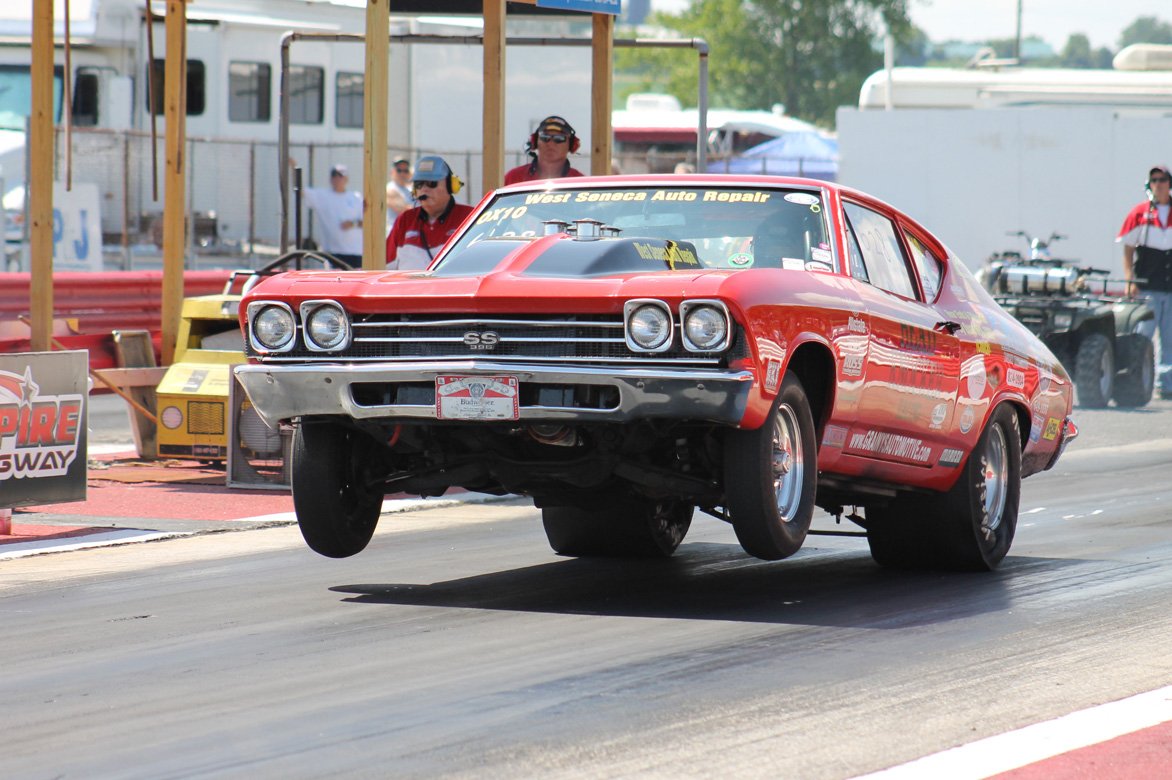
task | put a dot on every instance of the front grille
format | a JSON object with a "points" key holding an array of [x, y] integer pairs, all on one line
{"points": [[532, 338]]}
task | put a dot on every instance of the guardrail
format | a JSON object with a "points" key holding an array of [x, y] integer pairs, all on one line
{"points": [[87, 307]]}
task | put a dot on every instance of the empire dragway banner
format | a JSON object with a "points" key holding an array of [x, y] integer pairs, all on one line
{"points": [[43, 424]]}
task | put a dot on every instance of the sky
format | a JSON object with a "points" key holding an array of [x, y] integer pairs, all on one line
{"points": [[1052, 20]]}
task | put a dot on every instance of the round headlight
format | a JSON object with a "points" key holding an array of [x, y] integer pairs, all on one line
{"points": [[273, 327], [327, 328], [705, 328], [650, 327]]}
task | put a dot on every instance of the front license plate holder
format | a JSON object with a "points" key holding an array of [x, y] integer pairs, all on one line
{"points": [[462, 397]]}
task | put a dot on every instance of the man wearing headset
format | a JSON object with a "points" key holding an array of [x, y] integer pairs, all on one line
{"points": [[550, 146], [1146, 236], [420, 232]]}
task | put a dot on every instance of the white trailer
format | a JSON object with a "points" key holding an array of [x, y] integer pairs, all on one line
{"points": [[233, 51], [978, 153]]}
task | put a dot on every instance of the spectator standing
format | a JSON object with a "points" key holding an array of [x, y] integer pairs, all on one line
{"points": [[550, 147], [419, 233], [339, 213], [399, 195], [1146, 236]]}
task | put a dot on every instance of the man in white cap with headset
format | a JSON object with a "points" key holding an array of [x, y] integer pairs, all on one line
{"points": [[419, 233]]}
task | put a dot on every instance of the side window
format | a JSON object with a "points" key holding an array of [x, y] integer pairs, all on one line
{"points": [[306, 94], [858, 268], [882, 254], [927, 265], [249, 91], [196, 87], [85, 97], [348, 111]]}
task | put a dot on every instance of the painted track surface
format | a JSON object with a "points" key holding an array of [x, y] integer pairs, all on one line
{"points": [[458, 646]]}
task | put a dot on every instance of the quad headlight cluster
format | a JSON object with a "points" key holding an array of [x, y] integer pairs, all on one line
{"points": [[272, 326], [705, 325]]}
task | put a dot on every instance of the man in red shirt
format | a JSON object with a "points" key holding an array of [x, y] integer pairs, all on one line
{"points": [[1146, 236], [419, 233], [550, 146]]}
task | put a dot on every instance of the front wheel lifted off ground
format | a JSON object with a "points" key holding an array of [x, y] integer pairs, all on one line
{"points": [[337, 510], [771, 475]]}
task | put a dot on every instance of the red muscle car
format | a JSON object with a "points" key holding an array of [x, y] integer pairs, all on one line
{"points": [[625, 350]]}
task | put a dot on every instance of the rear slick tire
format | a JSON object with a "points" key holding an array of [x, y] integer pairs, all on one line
{"points": [[626, 528], [771, 476], [336, 509], [968, 528]]}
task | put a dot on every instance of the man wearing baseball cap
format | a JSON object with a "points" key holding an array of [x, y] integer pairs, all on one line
{"points": [[549, 146], [339, 213], [1146, 236], [419, 233]]}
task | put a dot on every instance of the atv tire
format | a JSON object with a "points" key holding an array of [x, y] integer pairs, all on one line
{"points": [[1094, 371], [1134, 384]]}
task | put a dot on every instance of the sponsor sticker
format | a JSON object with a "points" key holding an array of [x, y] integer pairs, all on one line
{"points": [[772, 375], [892, 445], [821, 255], [852, 365], [1051, 429], [856, 325], [1014, 377], [1036, 423], [966, 419], [834, 436], [976, 380], [801, 198], [740, 260], [939, 412], [951, 457]]}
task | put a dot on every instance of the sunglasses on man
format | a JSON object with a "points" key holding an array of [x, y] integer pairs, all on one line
{"points": [[402, 170], [557, 139], [1159, 180], [428, 184]]}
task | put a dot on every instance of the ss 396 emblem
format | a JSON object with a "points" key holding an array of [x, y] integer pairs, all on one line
{"points": [[486, 339]]}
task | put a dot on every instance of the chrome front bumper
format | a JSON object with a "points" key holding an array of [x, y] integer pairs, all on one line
{"points": [[282, 392]]}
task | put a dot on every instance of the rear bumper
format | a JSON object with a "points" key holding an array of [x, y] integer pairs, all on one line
{"points": [[283, 392], [1066, 434]]}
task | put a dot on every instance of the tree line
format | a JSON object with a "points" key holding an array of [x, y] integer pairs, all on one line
{"points": [[812, 57]]}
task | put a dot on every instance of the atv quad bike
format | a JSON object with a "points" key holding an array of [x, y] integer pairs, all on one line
{"points": [[1104, 340]]}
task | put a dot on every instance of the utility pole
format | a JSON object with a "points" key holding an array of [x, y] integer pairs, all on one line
{"points": [[1017, 35]]}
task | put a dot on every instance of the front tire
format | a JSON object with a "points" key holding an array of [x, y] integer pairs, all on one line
{"points": [[337, 510], [771, 476], [1094, 371]]}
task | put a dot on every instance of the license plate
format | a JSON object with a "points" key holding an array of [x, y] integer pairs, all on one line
{"points": [[476, 398]]}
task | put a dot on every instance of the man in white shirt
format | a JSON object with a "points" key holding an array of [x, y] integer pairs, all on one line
{"points": [[339, 213], [399, 194]]}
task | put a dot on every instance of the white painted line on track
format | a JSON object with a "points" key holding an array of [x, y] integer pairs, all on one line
{"points": [[1030, 744], [101, 539]]}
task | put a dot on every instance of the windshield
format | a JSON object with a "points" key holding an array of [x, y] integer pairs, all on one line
{"points": [[16, 90], [725, 227]]}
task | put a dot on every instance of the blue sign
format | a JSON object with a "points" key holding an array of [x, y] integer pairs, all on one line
{"points": [[589, 6]]}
